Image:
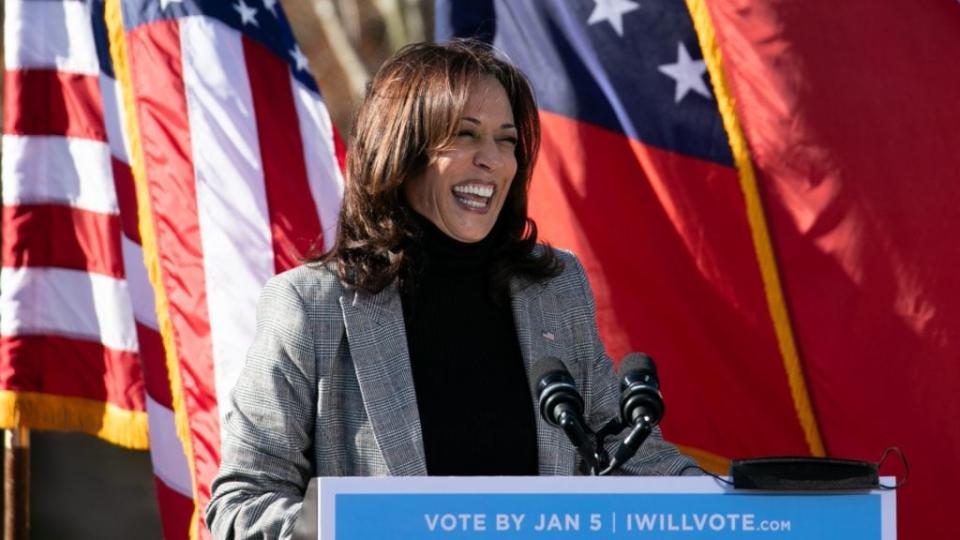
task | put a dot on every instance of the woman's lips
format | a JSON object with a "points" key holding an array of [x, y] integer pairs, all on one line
{"points": [[473, 196]]}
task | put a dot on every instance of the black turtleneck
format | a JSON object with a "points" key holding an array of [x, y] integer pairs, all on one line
{"points": [[475, 405]]}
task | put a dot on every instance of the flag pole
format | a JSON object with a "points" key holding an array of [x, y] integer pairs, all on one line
{"points": [[16, 484]]}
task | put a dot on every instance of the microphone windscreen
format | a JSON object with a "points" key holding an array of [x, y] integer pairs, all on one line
{"points": [[544, 366], [636, 361]]}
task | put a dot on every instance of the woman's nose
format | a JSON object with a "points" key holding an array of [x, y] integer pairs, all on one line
{"points": [[487, 154]]}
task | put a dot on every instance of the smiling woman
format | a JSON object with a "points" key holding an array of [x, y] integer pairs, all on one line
{"points": [[439, 127], [407, 349], [466, 182]]}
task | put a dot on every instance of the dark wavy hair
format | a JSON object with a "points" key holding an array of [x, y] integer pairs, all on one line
{"points": [[410, 111]]}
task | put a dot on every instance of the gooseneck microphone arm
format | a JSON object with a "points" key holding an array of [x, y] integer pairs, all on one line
{"points": [[562, 406], [580, 438], [628, 447]]}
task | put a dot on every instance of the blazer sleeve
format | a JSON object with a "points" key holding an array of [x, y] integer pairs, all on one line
{"points": [[656, 456], [268, 433]]}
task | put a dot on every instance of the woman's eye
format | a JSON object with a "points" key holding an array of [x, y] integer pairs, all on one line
{"points": [[466, 133], [509, 140]]}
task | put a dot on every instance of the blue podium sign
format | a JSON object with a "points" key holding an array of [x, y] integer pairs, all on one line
{"points": [[584, 507]]}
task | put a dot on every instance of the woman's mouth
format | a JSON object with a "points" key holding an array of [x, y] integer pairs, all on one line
{"points": [[474, 197]]}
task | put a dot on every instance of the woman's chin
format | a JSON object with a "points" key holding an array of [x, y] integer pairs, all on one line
{"points": [[470, 238], [471, 233], [467, 227]]}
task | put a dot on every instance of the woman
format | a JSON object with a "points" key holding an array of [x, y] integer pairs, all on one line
{"points": [[406, 350]]}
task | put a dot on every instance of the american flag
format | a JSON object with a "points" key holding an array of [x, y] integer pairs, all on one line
{"points": [[81, 347], [161, 161], [764, 195]]}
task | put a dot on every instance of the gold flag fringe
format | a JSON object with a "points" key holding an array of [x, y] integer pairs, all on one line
{"points": [[47, 412]]}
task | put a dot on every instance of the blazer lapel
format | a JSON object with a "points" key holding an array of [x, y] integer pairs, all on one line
{"points": [[378, 346], [536, 320]]}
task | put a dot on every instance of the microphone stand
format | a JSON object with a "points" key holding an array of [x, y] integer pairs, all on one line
{"points": [[600, 459], [628, 447]]}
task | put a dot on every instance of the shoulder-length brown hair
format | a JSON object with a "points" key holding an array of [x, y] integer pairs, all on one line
{"points": [[411, 110]]}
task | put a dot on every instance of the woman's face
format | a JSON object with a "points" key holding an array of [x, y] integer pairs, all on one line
{"points": [[465, 184]]}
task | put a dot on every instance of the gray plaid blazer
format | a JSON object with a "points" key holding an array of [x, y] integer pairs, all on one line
{"points": [[327, 390]]}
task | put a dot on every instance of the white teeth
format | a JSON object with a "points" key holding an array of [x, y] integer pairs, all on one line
{"points": [[472, 203], [474, 189]]}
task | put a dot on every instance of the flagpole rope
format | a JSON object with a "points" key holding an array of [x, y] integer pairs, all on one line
{"points": [[118, 54], [758, 227]]}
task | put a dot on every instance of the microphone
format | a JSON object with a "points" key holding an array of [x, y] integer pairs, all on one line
{"points": [[641, 399], [562, 406], [641, 405]]}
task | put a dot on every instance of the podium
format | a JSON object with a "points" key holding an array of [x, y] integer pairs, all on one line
{"points": [[414, 508]]}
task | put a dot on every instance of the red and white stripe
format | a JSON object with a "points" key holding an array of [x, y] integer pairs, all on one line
{"points": [[170, 468], [242, 170], [77, 309], [64, 294]]}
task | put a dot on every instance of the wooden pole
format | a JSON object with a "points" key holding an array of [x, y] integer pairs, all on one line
{"points": [[16, 484]]}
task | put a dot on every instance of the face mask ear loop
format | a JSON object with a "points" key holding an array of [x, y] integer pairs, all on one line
{"points": [[706, 472], [903, 459]]}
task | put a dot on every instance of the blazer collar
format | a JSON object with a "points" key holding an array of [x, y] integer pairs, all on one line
{"points": [[536, 318], [378, 347]]}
